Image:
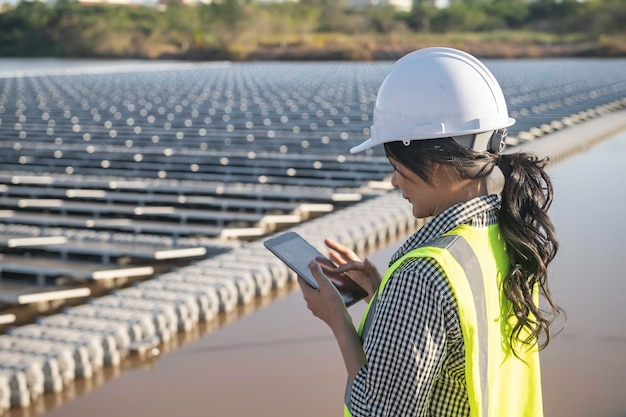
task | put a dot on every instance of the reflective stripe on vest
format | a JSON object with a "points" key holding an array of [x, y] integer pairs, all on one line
{"points": [[498, 383]]}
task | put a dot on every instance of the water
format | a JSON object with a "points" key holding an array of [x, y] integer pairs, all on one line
{"points": [[584, 369]]}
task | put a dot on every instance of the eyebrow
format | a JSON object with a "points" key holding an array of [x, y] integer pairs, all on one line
{"points": [[395, 167]]}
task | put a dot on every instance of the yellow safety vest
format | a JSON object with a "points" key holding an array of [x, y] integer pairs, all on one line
{"points": [[499, 384]]}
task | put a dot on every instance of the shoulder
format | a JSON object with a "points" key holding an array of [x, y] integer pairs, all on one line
{"points": [[419, 292], [421, 275], [420, 285]]}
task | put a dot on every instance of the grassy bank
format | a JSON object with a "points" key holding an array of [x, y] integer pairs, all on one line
{"points": [[338, 46]]}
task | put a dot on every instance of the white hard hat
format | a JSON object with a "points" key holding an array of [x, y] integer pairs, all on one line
{"points": [[436, 93]]}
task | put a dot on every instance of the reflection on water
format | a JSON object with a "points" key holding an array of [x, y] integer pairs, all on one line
{"points": [[135, 362]]}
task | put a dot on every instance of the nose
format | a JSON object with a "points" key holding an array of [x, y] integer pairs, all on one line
{"points": [[394, 183]]}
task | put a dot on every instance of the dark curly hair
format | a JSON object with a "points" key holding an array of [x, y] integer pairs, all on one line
{"points": [[524, 223]]}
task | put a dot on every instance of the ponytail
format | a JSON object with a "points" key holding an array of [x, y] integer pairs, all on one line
{"points": [[524, 223], [531, 245]]}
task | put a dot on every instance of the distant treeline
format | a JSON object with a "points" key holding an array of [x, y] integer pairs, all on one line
{"points": [[311, 29]]}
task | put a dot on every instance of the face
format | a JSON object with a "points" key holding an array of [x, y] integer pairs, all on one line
{"points": [[423, 197]]}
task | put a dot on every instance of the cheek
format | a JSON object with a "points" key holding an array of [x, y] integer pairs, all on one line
{"points": [[420, 198]]}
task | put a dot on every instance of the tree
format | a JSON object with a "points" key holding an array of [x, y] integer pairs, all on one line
{"points": [[422, 14], [512, 14], [554, 15], [25, 30], [332, 14]]}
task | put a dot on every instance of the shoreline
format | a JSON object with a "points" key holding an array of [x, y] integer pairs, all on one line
{"points": [[330, 47], [488, 50]]}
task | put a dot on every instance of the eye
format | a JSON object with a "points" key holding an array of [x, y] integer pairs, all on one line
{"points": [[400, 173]]}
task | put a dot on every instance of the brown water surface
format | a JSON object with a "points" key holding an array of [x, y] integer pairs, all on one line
{"points": [[584, 369], [275, 359]]}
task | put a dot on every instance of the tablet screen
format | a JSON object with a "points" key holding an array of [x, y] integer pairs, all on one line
{"points": [[296, 252]]}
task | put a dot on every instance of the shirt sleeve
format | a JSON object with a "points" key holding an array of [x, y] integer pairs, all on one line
{"points": [[405, 345]]}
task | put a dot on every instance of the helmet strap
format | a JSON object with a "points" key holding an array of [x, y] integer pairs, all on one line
{"points": [[491, 141]]}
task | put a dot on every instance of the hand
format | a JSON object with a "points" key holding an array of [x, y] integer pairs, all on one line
{"points": [[325, 303], [363, 273]]}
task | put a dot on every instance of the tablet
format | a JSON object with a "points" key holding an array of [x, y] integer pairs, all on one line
{"points": [[296, 252]]}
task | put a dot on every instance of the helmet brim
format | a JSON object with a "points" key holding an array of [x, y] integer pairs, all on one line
{"points": [[371, 142]]}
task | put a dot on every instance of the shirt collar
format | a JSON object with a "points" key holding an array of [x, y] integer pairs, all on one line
{"points": [[479, 211]]}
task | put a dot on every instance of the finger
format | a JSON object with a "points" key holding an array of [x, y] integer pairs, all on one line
{"points": [[326, 266], [351, 266], [370, 266], [306, 292], [337, 259], [303, 284], [346, 252], [318, 274], [305, 287]]}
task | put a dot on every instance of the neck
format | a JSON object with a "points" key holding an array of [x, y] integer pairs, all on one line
{"points": [[460, 191]]}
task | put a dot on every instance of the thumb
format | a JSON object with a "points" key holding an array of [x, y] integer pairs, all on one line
{"points": [[371, 268], [318, 274]]}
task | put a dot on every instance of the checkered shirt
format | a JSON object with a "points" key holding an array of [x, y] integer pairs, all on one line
{"points": [[414, 347]]}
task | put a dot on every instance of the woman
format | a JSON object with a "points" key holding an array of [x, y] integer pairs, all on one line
{"points": [[453, 328]]}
